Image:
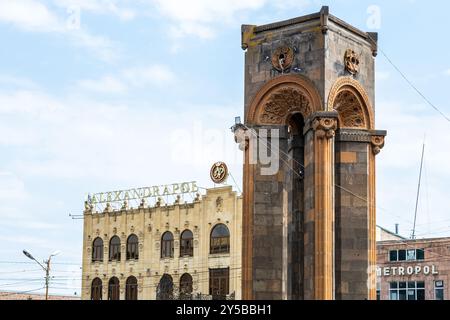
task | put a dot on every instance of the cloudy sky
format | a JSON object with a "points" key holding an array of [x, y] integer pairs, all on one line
{"points": [[100, 95]]}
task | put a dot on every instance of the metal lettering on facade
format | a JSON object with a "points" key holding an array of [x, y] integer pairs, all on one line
{"points": [[407, 270], [142, 193]]}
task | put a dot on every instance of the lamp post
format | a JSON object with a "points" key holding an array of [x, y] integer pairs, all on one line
{"points": [[46, 268]]}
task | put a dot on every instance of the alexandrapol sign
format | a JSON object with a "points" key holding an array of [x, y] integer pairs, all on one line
{"points": [[142, 193]]}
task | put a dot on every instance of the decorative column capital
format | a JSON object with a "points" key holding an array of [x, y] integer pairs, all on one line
{"points": [[377, 142], [325, 127]]}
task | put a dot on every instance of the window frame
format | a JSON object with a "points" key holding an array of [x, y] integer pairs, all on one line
{"points": [[114, 249], [97, 250], [401, 255], [131, 289], [400, 288], [114, 289], [219, 280], [439, 288], [219, 244], [186, 281], [97, 288], [132, 247], [187, 244], [167, 245]]}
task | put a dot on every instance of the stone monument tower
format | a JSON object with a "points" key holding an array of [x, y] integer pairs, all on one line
{"points": [[309, 227]]}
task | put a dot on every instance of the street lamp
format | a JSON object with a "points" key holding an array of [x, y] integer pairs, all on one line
{"points": [[45, 268]]}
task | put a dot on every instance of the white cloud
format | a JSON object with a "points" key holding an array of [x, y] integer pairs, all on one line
{"points": [[30, 15], [99, 7], [154, 74], [11, 187], [107, 84], [202, 18], [33, 16], [447, 72], [136, 77]]}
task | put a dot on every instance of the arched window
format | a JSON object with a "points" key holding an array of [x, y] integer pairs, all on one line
{"points": [[113, 289], [185, 286], [167, 245], [187, 244], [131, 288], [132, 247], [114, 248], [220, 239], [96, 289], [97, 249], [164, 291]]}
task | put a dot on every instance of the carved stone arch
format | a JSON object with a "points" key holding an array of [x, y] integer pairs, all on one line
{"points": [[281, 97], [349, 98]]}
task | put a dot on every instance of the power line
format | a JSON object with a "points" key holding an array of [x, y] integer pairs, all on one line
{"points": [[410, 83]]}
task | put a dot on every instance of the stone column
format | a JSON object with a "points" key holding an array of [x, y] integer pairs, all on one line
{"points": [[377, 143], [355, 214], [319, 206], [265, 205]]}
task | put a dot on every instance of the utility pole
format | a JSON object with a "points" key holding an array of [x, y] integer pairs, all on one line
{"points": [[413, 235], [45, 268], [47, 277]]}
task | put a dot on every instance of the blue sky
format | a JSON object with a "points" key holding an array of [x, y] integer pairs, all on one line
{"points": [[100, 95]]}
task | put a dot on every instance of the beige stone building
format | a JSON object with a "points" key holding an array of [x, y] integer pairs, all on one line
{"points": [[165, 250]]}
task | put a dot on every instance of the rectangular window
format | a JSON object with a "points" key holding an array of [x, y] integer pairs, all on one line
{"points": [[411, 254], [412, 290], [420, 254], [407, 255], [401, 255], [393, 255], [378, 291], [439, 290], [219, 283]]}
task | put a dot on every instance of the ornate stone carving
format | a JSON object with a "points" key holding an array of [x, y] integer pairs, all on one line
{"points": [[353, 86], [351, 60], [324, 127], [308, 100], [282, 58], [282, 103], [88, 207], [219, 204], [350, 111], [377, 144], [108, 208]]}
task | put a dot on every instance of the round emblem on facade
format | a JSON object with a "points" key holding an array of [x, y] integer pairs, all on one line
{"points": [[219, 172], [282, 58]]}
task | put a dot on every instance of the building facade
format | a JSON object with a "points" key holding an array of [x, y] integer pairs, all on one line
{"points": [[189, 250], [413, 269], [309, 227]]}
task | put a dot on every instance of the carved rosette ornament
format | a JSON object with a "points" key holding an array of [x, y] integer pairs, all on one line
{"points": [[377, 144], [324, 127], [351, 60], [282, 103], [282, 58]]}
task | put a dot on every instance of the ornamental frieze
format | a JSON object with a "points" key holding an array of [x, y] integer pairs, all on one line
{"points": [[282, 103]]}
